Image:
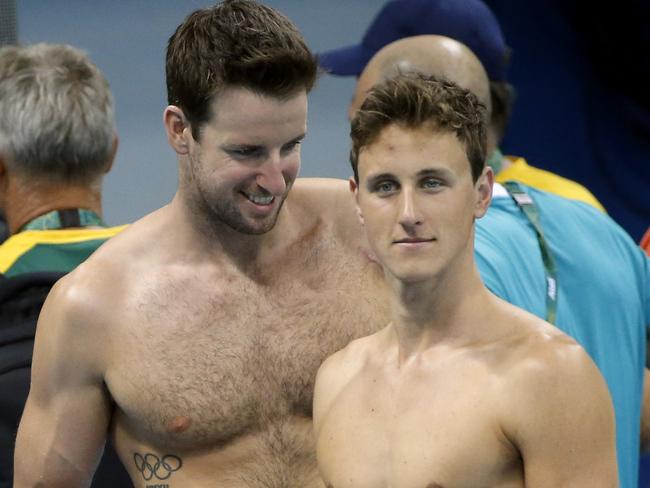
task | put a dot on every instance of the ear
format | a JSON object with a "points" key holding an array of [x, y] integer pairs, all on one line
{"points": [[483, 188], [178, 129], [354, 188]]}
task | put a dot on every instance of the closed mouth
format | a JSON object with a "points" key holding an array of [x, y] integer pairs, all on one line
{"points": [[415, 240]]}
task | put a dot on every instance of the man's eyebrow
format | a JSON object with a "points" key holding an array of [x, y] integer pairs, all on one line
{"points": [[243, 145], [247, 145], [438, 172], [298, 138], [374, 179], [238, 145]]}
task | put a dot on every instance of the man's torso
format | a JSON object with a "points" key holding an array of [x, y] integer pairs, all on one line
{"points": [[436, 425], [212, 369]]}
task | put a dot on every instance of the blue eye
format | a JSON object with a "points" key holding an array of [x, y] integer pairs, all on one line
{"points": [[431, 184], [385, 187]]}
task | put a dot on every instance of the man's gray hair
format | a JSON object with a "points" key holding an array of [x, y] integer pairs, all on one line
{"points": [[56, 113]]}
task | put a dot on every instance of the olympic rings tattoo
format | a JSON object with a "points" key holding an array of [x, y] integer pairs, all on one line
{"points": [[151, 465]]}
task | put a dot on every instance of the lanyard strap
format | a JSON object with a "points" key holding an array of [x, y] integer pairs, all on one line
{"points": [[64, 219], [528, 207]]}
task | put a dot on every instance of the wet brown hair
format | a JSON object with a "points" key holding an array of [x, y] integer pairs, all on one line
{"points": [[237, 43], [414, 100]]}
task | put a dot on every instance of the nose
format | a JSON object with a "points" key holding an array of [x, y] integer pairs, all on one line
{"points": [[271, 176], [409, 217]]}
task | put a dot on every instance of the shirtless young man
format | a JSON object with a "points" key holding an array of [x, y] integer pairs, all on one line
{"points": [[610, 316], [461, 389], [193, 339]]}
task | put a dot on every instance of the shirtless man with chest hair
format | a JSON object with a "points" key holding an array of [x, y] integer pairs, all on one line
{"points": [[461, 389], [193, 339]]}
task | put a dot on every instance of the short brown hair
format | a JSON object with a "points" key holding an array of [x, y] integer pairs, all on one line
{"points": [[414, 100], [235, 43]]}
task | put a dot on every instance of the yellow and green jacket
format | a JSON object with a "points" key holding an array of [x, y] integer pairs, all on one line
{"points": [[51, 250]]}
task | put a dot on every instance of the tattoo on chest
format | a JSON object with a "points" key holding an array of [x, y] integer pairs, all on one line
{"points": [[154, 468]]}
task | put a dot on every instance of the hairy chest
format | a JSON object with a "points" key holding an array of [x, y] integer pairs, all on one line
{"points": [[204, 363]]}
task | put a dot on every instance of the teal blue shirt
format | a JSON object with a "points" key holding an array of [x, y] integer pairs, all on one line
{"points": [[610, 326]]}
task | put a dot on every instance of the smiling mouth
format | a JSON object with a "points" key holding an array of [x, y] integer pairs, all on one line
{"points": [[259, 199]]}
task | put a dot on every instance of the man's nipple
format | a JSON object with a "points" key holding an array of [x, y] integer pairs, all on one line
{"points": [[179, 424]]}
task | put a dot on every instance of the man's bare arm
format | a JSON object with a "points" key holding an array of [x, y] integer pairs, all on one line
{"points": [[562, 420], [63, 427], [331, 199]]}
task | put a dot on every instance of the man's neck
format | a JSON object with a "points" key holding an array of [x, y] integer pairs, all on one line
{"points": [[219, 242], [441, 310], [25, 203]]}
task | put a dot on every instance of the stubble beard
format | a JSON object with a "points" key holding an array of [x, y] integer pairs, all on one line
{"points": [[219, 211], [219, 208]]}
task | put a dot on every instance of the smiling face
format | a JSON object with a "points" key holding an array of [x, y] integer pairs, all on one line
{"points": [[246, 159], [418, 202]]}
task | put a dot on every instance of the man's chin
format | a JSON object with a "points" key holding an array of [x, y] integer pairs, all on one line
{"points": [[258, 224], [257, 230], [411, 276], [245, 220], [255, 226]]}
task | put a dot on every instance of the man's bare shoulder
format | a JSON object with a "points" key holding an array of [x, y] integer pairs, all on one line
{"points": [[540, 344], [72, 325], [338, 370], [546, 370], [139, 244], [554, 362], [329, 199], [80, 302], [351, 358], [324, 196], [555, 407], [101, 283], [137, 236], [320, 191]]}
